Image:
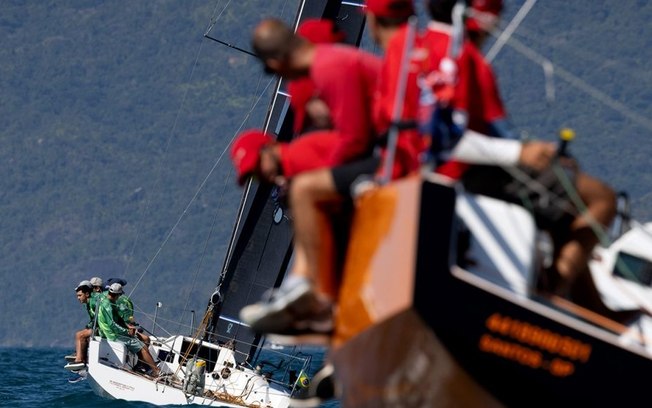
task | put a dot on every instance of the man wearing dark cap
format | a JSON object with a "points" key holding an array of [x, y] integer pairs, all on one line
{"points": [[108, 319], [83, 292]]}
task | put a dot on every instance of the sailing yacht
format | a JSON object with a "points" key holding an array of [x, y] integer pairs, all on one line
{"points": [[221, 364]]}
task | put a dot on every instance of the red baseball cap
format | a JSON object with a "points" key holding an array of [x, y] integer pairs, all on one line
{"points": [[390, 8], [484, 14], [245, 152], [320, 31], [488, 6]]}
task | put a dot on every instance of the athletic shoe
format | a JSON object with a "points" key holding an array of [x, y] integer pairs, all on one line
{"points": [[71, 358], [294, 307], [321, 389], [76, 379], [75, 366]]}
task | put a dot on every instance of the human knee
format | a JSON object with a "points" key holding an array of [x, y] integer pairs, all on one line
{"points": [[81, 334], [300, 187], [598, 196], [311, 187]]}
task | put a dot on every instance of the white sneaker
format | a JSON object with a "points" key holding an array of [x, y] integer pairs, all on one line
{"points": [[75, 366], [293, 308]]}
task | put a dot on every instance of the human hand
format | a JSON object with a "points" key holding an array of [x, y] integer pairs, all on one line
{"points": [[537, 154]]}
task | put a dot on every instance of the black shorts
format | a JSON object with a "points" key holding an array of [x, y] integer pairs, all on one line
{"points": [[345, 175], [542, 193]]}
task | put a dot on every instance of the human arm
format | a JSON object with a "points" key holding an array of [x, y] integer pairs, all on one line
{"points": [[345, 80], [108, 327], [477, 148]]}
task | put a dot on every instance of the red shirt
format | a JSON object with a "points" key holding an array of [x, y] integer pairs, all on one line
{"points": [[308, 152], [345, 79], [410, 145], [477, 90], [436, 40], [301, 91]]}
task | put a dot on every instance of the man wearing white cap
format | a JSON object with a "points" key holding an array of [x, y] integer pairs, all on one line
{"points": [[107, 321], [97, 283]]}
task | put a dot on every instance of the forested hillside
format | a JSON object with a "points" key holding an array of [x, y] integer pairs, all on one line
{"points": [[114, 114]]}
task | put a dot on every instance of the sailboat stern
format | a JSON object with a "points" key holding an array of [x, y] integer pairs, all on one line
{"points": [[386, 352]]}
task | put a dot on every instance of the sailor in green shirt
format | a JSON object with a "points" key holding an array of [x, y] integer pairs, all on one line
{"points": [[83, 292], [109, 320], [125, 309]]}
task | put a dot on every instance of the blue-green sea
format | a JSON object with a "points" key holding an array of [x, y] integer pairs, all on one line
{"points": [[36, 378]]}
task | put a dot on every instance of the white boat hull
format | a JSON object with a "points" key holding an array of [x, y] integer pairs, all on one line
{"points": [[110, 375]]}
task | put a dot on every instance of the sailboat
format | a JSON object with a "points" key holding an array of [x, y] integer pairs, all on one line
{"points": [[221, 363]]}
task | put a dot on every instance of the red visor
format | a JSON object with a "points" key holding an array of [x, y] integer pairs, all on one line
{"points": [[246, 151]]}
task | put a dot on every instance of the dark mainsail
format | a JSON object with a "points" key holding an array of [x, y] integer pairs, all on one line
{"points": [[260, 247]]}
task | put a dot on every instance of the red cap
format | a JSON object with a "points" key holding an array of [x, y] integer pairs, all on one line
{"points": [[484, 14], [320, 31], [246, 151], [390, 8], [488, 6]]}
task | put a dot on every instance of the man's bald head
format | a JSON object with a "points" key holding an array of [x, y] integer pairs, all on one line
{"points": [[273, 38]]}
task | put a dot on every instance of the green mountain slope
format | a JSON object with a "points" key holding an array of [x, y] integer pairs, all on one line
{"points": [[112, 116]]}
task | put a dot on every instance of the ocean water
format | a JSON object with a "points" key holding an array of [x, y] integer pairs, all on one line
{"points": [[36, 378]]}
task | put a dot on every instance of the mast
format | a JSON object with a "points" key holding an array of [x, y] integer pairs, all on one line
{"points": [[261, 242]]}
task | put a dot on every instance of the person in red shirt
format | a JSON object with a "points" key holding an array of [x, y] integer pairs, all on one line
{"points": [[477, 96], [477, 90], [256, 153], [311, 113], [387, 22], [463, 90], [345, 80]]}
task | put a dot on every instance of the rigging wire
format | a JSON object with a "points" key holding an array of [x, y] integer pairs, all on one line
{"points": [[160, 166], [506, 37], [161, 161], [585, 54], [199, 189], [205, 249], [582, 85], [509, 30]]}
